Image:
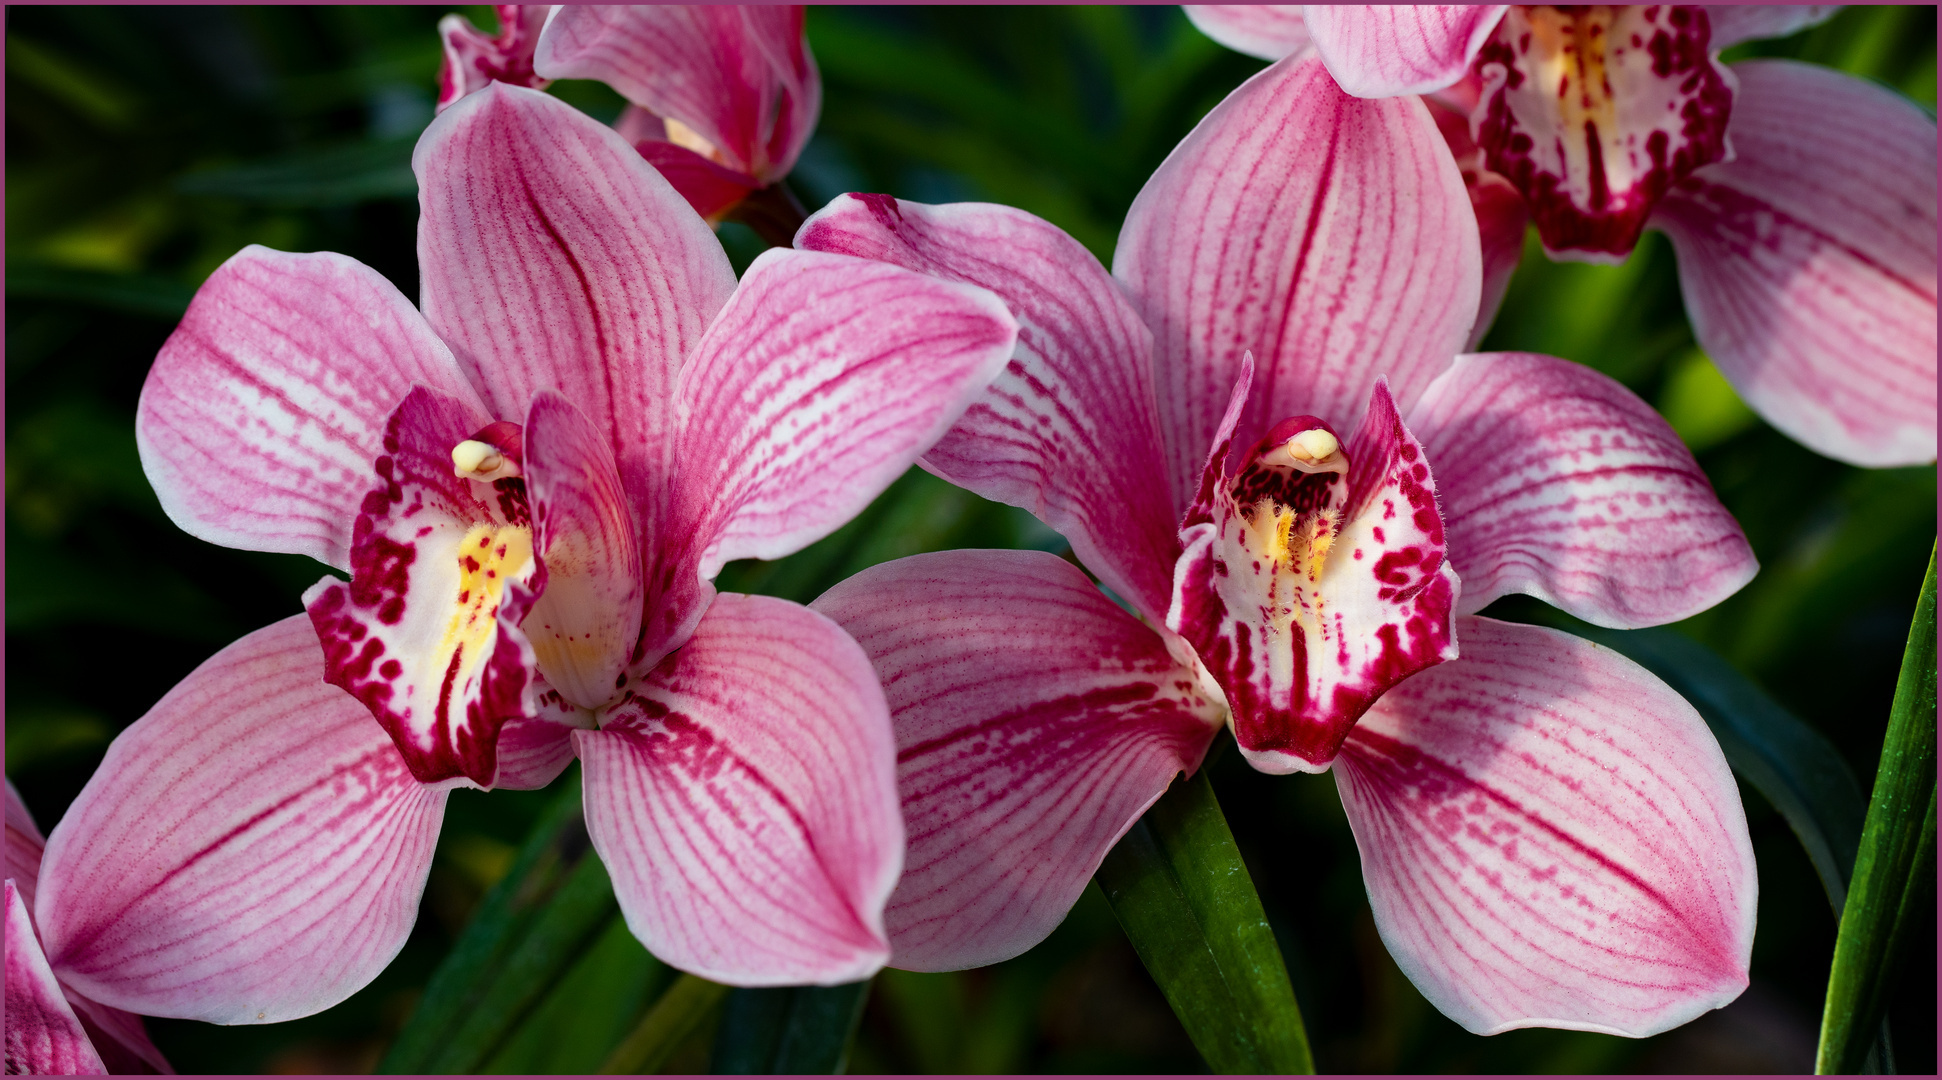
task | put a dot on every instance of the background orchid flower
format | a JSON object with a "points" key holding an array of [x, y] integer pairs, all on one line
{"points": [[723, 98], [532, 484], [51, 1028], [1550, 836], [1800, 201]]}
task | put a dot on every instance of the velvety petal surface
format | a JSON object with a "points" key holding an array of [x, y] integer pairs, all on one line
{"points": [[1551, 838], [746, 801], [739, 77], [252, 850], [475, 59], [44, 1037], [1734, 23], [1330, 235], [1808, 262], [1036, 721], [259, 421], [1382, 51], [1070, 430], [427, 631], [1267, 31], [1556, 481]]}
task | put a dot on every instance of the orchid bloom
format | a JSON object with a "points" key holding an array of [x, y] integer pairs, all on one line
{"points": [[1800, 202], [51, 1029], [723, 98], [531, 483], [1257, 433]]}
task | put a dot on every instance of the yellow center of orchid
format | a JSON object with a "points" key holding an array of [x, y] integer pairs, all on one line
{"points": [[488, 557], [1568, 53]]}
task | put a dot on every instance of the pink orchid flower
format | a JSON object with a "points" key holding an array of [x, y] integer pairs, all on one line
{"points": [[1800, 201], [51, 1029], [1550, 836], [532, 483], [723, 98]]}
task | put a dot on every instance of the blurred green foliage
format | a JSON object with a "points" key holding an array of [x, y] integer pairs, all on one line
{"points": [[148, 144]]}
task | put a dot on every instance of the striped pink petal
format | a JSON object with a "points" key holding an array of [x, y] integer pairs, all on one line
{"points": [[474, 59], [1551, 838], [1595, 112], [740, 78], [1558, 482], [23, 844], [1383, 51], [746, 801], [1267, 31], [1070, 430], [1808, 262], [1501, 216], [708, 187], [263, 412], [44, 1037], [252, 850], [1329, 235], [1036, 721], [1734, 23]]}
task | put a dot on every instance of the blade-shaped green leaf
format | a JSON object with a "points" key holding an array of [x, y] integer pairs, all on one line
{"points": [[678, 1012], [333, 176], [141, 294], [1894, 871], [1179, 888], [789, 1029]]}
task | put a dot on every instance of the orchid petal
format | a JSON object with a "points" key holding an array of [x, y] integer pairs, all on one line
{"points": [[1070, 430], [1501, 216], [710, 188], [261, 416], [1035, 720], [44, 1037], [1808, 262], [1558, 482], [534, 750], [1734, 23], [1382, 51], [746, 802], [1595, 112], [120, 1038], [554, 258], [1329, 235], [1266, 31], [426, 633], [252, 850], [1551, 837], [474, 60], [24, 844], [741, 78]]}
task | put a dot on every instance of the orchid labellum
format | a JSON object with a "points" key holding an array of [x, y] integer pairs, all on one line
{"points": [[531, 479], [1800, 201], [723, 97], [1259, 436]]}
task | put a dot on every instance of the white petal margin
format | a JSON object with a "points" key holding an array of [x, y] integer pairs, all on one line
{"points": [[1551, 838], [1808, 262], [259, 421], [1556, 481], [1383, 51], [252, 850], [44, 1037], [1266, 31], [1036, 721], [746, 802]]}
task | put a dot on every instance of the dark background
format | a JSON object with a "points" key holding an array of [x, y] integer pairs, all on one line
{"points": [[145, 145]]}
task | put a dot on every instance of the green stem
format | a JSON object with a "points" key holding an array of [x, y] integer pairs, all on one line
{"points": [[676, 1015]]}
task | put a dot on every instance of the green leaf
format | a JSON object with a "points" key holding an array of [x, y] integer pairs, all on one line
{"points": [[141, 294], [1894, 872], [789, 1029], [589, 1010], [679, 1011], [333, 176], [1184, 897], [1790, 764]]}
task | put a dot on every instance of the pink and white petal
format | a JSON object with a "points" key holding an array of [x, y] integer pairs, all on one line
{"points": [[746, 801], [554, 258], [24, 844], [44, 1037], [252, 850], [1500, 211], [1070, 430], [584, 627], [1734, 23], [1557, 482], [1808, 262], [1036, 721], [1594, 113], [259, 421], [739, 77], [474, 59], [120, 1038], [1384, 51], [1329, 235], [1550, 838], [426, 633], [1266, 31], [710, 188], [533, 751]]}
